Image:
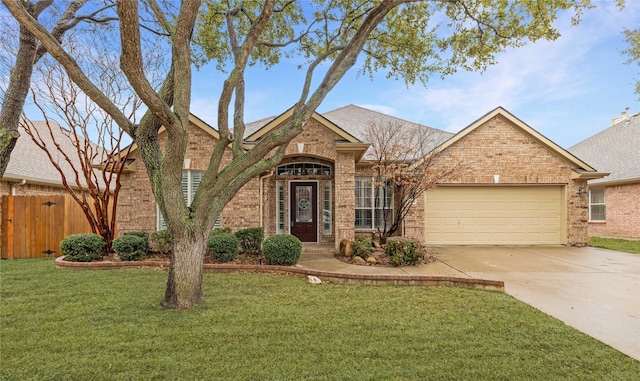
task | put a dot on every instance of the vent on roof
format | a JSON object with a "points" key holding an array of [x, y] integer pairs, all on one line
{"points": [[623, 116]]}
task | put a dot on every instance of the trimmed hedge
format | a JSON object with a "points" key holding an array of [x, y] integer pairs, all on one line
{"points": [[226, 230], [143, 235], [223, 247], [84, 247], [250, 239], [161, 241], [282, 249], [403, 251], [130, 247]]}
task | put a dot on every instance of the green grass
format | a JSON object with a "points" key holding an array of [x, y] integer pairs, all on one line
{"points": [[617, 244], [64, 324]]}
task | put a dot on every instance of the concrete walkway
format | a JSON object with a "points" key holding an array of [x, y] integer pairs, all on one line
{"points": [[328, 262], [596, 291]]}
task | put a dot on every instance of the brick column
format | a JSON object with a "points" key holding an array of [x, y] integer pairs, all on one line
{"points": [[344, 198]]}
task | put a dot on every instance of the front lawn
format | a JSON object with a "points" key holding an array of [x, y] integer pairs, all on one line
{"points": [[628, 246], [82, 325]]}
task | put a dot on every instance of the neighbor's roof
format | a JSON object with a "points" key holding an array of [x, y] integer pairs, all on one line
{"points": [[29, 162], [615, 150]]}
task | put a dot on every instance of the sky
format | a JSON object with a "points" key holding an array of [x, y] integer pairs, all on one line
{"points": [[568, 89]]}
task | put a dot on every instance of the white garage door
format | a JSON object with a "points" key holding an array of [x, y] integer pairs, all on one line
{"points": [[497, 215]]}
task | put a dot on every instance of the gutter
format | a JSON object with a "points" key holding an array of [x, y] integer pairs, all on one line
{"points": [[12, 188]]}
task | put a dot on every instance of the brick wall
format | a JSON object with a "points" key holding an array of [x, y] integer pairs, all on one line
{"points": [[137, 209], [499, 147], [622, 213]]}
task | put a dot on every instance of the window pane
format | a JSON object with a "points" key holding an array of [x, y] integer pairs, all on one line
{"points": [[185, 186], [280, 207], [196, 177], [384, 196], [303, 204], [597, 196], [363, 218], [382, 216], [363, 192], [597, 213], [326, 207]]}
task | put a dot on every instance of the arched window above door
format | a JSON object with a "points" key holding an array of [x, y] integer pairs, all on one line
{"points": [[303, 169]]}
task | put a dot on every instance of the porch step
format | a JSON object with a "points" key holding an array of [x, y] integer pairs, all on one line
{"points": [[315, 248]]}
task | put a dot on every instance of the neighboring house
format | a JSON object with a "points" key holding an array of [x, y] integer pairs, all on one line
{"points": [[33, 227], [514, 185], [30, 172], [614, 201]]}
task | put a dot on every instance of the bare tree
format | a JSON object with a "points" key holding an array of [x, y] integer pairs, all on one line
{"points": [[404, 165], [404, 37], [29, 51], [90, 171]]}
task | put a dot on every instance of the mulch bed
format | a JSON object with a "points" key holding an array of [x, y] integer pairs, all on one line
{"points": [[382, 260]]}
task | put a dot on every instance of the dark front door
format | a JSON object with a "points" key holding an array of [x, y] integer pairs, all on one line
{"points": [[304, 215]]}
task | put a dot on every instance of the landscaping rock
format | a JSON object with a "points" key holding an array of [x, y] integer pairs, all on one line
{"points": [[345, 248], [358, 261], [371, 260], [314, 279]]}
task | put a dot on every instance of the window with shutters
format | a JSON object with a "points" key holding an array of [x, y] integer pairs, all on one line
{"points": [[190, 182]]}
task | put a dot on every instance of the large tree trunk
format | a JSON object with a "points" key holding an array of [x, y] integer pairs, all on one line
{"points": [[184, 284]]}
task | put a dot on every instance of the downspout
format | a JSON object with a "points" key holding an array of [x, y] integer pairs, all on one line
{"points": [[261, 196], [12, 189]]}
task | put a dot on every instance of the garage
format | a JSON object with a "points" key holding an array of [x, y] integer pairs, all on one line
{"points": [[495, 215]]}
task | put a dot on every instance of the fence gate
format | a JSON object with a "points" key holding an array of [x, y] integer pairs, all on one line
{"points": [[33, 226]]}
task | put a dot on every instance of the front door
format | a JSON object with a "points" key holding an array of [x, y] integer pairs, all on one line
{"points": [[304, 215]]}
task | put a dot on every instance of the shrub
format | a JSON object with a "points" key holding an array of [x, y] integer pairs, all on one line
{"points": [[143, 235], [83, 247], [130, 247], [250, 239], [361, 247], [161, 241], [282, 249], [403, 251], [220, 231], [223, 247]]}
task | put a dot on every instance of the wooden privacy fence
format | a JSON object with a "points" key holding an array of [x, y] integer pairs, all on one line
{"points": [[33, 226]]}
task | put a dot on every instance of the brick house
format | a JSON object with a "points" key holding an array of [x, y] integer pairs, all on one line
{"points": [[516, 186], [30, 171], [614, 201]]}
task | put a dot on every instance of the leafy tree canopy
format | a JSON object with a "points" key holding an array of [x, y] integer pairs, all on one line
{"points": [[414, 41]]}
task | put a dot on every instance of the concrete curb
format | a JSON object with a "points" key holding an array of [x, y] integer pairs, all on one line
{"points": [[325, 276]]}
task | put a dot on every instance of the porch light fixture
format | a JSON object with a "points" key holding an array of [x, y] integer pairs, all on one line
{"points": [[300, 147], [582, 191]]}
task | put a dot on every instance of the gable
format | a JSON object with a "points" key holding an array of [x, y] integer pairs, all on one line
{"points": [[194, 121], [340, 134], [528, 136]]}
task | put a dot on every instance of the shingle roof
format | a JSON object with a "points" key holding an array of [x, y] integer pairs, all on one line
{"points": [[615, 150], [355, 121], [30, 162]]}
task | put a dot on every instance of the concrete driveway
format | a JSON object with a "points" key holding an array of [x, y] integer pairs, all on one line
{"points": [[596, 291]]}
